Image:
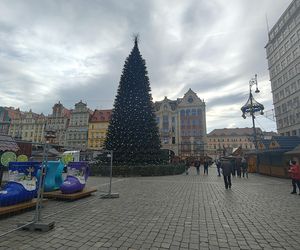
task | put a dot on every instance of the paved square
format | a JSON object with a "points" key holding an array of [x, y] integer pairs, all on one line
{"points": [[170, 212]]}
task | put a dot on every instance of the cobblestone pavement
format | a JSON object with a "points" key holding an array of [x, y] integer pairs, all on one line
{"points": [[170, 212]]}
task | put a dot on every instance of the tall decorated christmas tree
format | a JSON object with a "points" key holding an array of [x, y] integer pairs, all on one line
{"points": [[133, 132]]}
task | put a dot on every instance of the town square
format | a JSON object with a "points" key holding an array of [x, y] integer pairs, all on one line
{"points": [[149, 124]]}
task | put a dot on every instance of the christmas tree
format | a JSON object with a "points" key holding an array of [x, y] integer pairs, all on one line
{"points": [[133, 132]]}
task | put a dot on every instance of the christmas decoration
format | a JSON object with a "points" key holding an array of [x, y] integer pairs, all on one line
{"points": [[78, 173], [133, 132]]}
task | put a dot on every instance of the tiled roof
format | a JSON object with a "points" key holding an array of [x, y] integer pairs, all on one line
{"points": [[7, 143], [101, 115], [287, 142], [13, 113], [234, 132], [67, 112]]}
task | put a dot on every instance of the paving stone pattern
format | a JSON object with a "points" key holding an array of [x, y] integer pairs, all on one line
{"points": [[170, 212]]}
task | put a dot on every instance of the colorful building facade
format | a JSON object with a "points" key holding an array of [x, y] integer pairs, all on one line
{"points": [[182, 125], [98, 125], [4, 121], [77, 131], [58, 122], [28, 126]]}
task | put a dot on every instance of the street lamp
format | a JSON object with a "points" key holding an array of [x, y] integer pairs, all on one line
{"points": [[252, 107]]}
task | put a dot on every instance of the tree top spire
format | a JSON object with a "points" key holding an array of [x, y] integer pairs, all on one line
{"points": [[136, 38]]}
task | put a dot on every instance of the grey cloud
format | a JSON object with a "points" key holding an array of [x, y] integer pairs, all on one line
{"points": [[72, 50]]}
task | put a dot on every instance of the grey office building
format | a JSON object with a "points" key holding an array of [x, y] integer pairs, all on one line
{"points": [[284, 68]]}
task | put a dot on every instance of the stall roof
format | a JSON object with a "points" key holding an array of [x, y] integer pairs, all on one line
{"points": [[295, 151], [7, 143]]}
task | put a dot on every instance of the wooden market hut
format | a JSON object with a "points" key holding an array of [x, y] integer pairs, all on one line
{"points": [[272, 158], [294, 154]]}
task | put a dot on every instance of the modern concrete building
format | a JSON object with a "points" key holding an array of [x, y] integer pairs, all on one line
{"points": [[182, 124], [98, 125], [58, 122], [77, 132], [284, 68]]}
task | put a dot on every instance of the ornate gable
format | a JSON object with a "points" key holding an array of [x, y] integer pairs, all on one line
{"points": [[189, 99], [274, 144]]}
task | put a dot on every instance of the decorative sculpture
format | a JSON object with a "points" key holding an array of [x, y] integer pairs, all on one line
{"points": [[53, 177], [22, 185], [78, 173]]}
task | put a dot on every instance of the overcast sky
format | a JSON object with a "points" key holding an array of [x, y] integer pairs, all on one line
{"points": [[69, 51]]}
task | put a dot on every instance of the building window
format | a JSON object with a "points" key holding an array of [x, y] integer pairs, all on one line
{"points": [[293, 39], [297, 68], [289, 58], [293, 87], [281, 93], [296, 102], [279, 110], [291, 73], [287, 45], [287, 91], [284, 107]]}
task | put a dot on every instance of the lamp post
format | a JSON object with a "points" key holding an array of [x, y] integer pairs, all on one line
{"points": [[252, 107]]}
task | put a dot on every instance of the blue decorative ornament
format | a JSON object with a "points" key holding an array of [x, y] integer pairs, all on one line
{"points": [[22, 185]]}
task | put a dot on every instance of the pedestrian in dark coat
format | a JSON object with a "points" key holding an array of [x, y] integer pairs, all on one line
{"points": [[218, 163], [187, 166], [238, 166], [206, 164], [226, 166], [197, 166], [244, 167]]}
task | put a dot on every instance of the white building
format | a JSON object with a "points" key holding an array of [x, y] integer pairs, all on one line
{"points": [[58, 122], [77, 132]]}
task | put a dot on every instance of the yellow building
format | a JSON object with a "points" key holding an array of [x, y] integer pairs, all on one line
{"points": [[98, 125]]}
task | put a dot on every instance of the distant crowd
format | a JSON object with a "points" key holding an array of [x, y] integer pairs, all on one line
{"points": [[237, 166]]}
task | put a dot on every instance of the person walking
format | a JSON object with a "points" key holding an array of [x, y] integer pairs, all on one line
{"points": [[226, 166], [197, 166], [218, 164], [295, 174], [244, 167], [233, 168], [238, 166], [187, 166], [206, 164]]}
